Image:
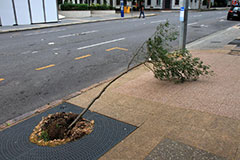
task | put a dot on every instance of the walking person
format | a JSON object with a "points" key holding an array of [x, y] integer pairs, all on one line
{"points": [[141, 10]]}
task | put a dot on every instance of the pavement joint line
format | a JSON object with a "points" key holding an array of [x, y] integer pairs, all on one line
{"points": [[45, 67], [88, 55], [110, 49], [2, 79]]}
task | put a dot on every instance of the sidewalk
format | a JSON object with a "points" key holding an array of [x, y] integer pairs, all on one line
{"points": [[198, 120], [70, 21], [202, 114]]}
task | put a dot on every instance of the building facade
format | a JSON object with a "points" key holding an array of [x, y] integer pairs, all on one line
{"points": [[149, 4]]}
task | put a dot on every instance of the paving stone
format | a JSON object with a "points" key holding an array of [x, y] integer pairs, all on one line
{"points": [[203, 155], [168, 149]]}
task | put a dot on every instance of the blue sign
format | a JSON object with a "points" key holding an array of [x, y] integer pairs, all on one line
{"points": [[122, 9], [182, 14]]}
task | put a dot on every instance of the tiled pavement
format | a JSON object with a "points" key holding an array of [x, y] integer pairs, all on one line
{"points": [[203, 114]]}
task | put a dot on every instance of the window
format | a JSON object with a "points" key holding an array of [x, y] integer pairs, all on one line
{"points": [[176, 2], [149, 2], [118, 2], [235, 9], [158, 2]]}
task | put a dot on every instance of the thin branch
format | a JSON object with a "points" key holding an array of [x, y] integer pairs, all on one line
{"points": [[104, 89], [99, 95]]}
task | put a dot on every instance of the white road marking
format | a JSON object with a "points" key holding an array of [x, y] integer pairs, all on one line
{"points": [[221, 20], [56, 49], [102, 43], [26, 52], [197, 15], [221, 17], [76, 34], [89, 32], [51, 43], [202, 25], [158, 21], [68, 35], [44, 32], [33, 52], [56, 53], [192, 23]]}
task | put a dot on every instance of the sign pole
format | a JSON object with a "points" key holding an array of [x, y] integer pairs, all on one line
{"points": [[183, 24], [122, 9]]}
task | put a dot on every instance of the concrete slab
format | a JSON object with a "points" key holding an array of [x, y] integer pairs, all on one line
{"points": [[169, 149]]}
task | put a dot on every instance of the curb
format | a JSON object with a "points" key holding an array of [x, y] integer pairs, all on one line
{"points": [[41, 109], [73, 23]]}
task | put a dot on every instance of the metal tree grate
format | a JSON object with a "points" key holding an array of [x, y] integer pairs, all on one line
{"points": [[106, 134]]}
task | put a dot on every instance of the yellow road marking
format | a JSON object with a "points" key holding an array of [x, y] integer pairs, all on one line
{"points": [[110, 49], [2, 79], [124, 49], [41, 68], [88, 55]]}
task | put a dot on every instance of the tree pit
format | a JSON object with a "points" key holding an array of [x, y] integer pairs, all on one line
{"points": [[53, 130]]}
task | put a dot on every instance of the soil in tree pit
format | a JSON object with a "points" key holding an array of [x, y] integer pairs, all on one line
{"points": [[53, 129]]}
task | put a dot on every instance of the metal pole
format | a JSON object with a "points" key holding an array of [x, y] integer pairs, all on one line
{"points": [[122, 8], [183, 24]]}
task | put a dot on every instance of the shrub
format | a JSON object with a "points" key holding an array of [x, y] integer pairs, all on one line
{"points": [[99, 7], [178, 65], [70, 6]]}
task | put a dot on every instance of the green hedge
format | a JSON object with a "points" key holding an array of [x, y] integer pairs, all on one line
{"points": [[101, 7], [70, 6]]}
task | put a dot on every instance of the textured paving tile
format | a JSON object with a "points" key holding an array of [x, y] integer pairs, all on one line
{"points": [[217, 94], [169, 149]]}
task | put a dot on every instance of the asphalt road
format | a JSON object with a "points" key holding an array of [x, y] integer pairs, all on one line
{"points": [[40, 66]]}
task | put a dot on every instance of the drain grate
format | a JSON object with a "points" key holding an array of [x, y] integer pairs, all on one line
{"points": [[106, 134]]}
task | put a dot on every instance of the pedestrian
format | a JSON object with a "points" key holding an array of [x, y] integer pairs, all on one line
{"points": [[141, 10]]}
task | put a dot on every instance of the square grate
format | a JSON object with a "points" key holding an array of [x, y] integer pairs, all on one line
{"points": [[106, 134]]}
